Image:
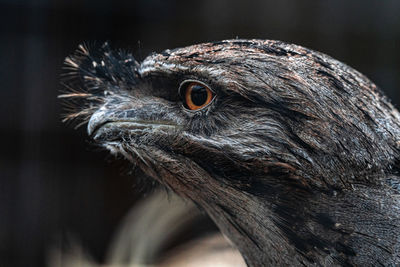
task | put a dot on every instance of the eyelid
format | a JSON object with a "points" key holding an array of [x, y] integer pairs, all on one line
{"points": [[181, 94]]}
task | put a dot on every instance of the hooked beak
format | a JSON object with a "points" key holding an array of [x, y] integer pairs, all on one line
{"points": [[103, 126]]}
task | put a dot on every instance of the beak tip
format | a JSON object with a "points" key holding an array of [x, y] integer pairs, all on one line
{"points": [[95, 121], [90, 128]]}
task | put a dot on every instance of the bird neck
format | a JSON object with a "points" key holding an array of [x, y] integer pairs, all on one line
{"points": [[348, 227]]}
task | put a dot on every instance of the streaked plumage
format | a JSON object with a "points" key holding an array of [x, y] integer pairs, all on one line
{"points": [[296, 159]]}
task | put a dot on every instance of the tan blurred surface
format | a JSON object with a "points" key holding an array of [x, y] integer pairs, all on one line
{"points": [[213, 250], [145, 235]]}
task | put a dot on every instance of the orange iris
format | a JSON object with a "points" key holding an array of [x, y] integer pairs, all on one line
{"points": [[197, 96]]}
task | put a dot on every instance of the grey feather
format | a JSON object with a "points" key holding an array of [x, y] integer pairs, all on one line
{"points": [[296, 159]]}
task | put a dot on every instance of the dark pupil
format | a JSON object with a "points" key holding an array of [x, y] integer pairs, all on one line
{"points": [[198, 95]]}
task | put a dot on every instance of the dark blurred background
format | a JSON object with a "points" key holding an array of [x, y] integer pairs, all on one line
{"points": [[53, 183]]}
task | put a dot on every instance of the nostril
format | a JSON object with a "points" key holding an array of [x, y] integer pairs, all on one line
{"points": [[129, 114]]}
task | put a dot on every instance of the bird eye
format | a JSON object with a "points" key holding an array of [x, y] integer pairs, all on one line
{"points": [[196, 95]]}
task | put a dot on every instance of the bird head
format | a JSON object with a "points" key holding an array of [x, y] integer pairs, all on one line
{"points": [[267, 137]]}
